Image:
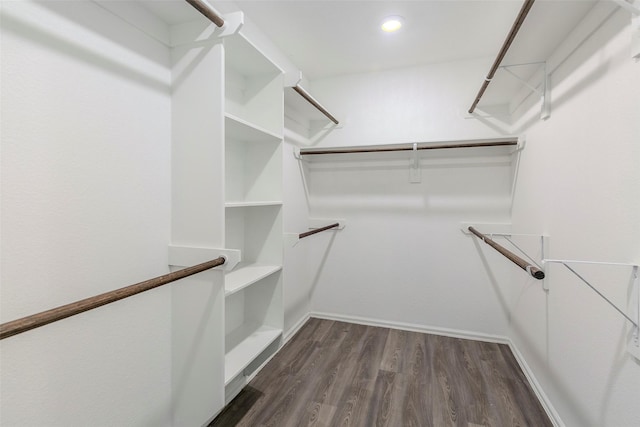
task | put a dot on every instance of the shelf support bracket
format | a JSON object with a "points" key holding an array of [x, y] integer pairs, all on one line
{"points": [[633, 6], [633, 345], [543, 89]]}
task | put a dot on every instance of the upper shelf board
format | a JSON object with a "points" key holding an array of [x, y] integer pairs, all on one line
{"points": [[242, 130], [246, 58]]}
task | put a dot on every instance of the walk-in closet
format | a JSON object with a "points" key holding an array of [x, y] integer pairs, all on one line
{"points": [[221, 213]]}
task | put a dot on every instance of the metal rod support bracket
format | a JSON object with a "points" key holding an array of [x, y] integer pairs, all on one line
{"points": [[542, 89], [532, 270], [634, 344], [635, 34], [507, 237], [633, 317], [415, 176]]}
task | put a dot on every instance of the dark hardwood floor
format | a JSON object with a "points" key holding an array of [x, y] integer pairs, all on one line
{"points": [[343, 374]]}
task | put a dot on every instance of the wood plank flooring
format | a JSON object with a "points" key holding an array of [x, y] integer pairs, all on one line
{"points": [[342, 374]]}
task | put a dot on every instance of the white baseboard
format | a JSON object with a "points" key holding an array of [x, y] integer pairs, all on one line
{"points": [[453, 333], [456, 333], [295, 328], [537, 388]]}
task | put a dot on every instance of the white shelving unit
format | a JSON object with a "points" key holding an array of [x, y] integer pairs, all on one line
{"points": [[246, 275], [253, 209], [253, 164]]}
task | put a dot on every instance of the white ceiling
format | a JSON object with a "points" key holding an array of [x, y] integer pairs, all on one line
{"points": [[327, 37]]}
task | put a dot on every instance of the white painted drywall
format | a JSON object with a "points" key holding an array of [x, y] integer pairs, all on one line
{"points": [[85, 209], [402, 257], [426, 103], [296, 283], [579, 182]]}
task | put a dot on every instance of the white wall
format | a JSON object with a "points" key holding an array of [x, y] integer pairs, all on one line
{"points": [[579, 183], [85, 209], [402, 257], [296, 283]]}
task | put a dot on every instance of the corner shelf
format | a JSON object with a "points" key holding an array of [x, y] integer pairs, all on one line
{"points": [[246, 275]]}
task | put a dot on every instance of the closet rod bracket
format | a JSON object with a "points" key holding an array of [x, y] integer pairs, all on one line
{"points": [[233, 22], [543, 242], [635, 35], [180, 256], [415, 176], [633, 317], [634, 347], [633, 6]]}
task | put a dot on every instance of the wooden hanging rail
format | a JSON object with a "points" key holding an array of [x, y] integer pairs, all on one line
{"points": [[315, 103], [410, 147], [204, 8], [531, 269], [503, 51], [317, 230], [24, 324]]}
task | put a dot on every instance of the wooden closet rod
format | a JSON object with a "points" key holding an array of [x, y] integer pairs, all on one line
{"points": [[24, 324], [407, 147], [317, 230], [531, 269], [315, 103], [204, 8], [503, 51]]}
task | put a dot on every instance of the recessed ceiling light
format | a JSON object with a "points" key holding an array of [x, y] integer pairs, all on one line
{"points": [[392, 23]]}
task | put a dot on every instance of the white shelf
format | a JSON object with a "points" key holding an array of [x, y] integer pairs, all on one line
{"points": [[246, 275], [244, 345], [253, 86], [241, 129], [243, 204], [244, 57]]}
